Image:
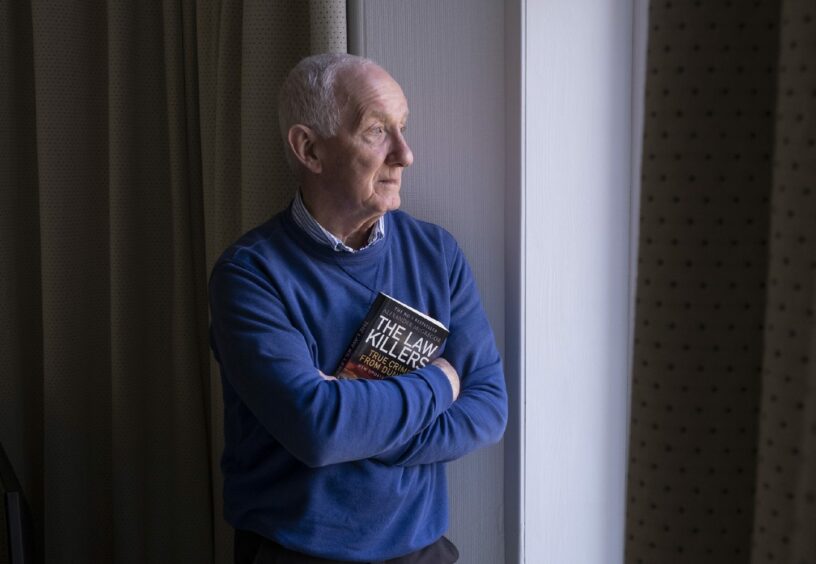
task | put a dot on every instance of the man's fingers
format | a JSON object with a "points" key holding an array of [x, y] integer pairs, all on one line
{"points": [[326, 376], [450, 372]]}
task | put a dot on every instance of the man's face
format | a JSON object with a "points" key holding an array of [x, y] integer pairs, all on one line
{"points": [[363, 163]]}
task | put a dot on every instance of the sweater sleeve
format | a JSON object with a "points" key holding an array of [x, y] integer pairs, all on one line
{"points": [[479, 415], [320, 422]]}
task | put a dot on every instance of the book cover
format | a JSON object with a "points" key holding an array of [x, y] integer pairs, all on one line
{"points": [[393, 339]]}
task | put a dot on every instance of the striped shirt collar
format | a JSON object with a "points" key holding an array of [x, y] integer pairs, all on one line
{"points": [[309, 224]]}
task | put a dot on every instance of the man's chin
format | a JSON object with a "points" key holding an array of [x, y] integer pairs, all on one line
{"points": [[389, 202], [393, 203]]}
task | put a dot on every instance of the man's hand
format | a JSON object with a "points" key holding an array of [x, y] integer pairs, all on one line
{"points": [[450, 372], [444, 365]]}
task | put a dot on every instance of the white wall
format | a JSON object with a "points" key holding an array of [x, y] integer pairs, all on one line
{"points": [[521, 125], [576, 186], [449, 56]]}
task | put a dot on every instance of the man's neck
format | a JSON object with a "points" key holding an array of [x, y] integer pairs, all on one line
{"points": [[352, 231]]}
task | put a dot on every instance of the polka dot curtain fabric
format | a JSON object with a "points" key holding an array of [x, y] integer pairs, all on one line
{"points": [[703, 364], [327, 19], [785, 510]]}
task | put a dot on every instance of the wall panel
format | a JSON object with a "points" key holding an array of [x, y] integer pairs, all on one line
{"points": [[449, 58]]}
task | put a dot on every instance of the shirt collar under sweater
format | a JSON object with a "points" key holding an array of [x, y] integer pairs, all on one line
{"points": [[324, 252], [309, 224]]}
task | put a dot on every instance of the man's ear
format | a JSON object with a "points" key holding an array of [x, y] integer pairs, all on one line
{"points": [[302, 140]]}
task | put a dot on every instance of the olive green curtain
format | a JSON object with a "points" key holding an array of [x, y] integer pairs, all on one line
{"points": [[723, 431], [137, 139]]}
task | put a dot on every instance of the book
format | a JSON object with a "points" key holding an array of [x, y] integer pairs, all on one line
{"points": [[393, 339]]}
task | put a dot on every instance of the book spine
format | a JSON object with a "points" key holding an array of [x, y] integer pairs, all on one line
{"points": [[372, 314]]}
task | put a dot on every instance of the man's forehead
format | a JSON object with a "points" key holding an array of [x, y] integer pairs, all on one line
{"points": [[371, 91]]}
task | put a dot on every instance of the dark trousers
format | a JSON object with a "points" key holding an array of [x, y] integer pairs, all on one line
{"points": [[251, 548]]}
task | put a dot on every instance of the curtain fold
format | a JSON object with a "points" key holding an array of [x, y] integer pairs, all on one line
{"points": [[71, 105], [722, 426], [785, 511], [327, 24], [138, 140], [21, 329]]}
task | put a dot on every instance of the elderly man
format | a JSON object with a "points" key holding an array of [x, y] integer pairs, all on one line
{"points": [[318, 469]]}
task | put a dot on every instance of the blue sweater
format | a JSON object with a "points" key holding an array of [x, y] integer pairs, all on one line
{"points": [[345, 469]]}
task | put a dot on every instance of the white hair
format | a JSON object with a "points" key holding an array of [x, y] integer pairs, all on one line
{"points": [[309, 95]]}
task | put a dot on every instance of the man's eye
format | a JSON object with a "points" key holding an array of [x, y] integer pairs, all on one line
{"points": [[377, 130]]}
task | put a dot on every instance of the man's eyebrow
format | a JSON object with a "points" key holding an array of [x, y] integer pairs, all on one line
{"points": [[376, 114]]}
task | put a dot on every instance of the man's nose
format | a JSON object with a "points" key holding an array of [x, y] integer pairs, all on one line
{"points": [[401, 154]]}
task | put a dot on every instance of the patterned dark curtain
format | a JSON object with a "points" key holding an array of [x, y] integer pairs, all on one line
{"points": [[137, 139], [723, 431]]}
